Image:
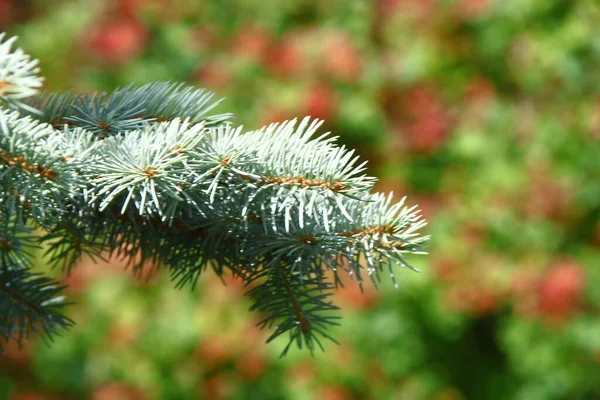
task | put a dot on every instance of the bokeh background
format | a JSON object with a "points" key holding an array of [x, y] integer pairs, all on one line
{"points": [[486, 113]]}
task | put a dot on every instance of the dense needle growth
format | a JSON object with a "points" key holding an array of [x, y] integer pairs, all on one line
{"points": [[152, 175]]}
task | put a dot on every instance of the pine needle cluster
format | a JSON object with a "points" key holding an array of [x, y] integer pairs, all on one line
{"points": [[151, 174]]}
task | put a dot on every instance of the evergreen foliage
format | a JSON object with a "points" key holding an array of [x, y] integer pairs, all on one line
{"points": [[151, 175]]}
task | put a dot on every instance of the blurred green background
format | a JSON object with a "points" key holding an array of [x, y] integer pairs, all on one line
{"points": [[486, 113]]}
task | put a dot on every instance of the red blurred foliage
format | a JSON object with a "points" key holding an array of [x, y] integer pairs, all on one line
{"points": [[217, 387], [391, 184], [472, 9], [522, 290], [117, 41], [225, 290], [523, 282], [214, 75], [410, 9], [130, 8], [6, 11], [251, 365], [284, 58], [251, 42], [444, 269], [118, 391], [385, 7], [234, 283], [204, 38], [17, 357], [342, 60], [560, 290], [351, 297], [472, 234], [251, 333], [547, 198], [427, 123], [480, 90], [320, 102], [27, 396], [419, 116], [334, 392], [88, 271], [472, 298], [428, 204], [214, 351]]}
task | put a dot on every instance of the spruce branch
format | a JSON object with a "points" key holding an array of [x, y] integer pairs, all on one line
{"points": [[128, 108], [148, 175], [16, 242], [295, 306], [30, 303], [18, 75]]}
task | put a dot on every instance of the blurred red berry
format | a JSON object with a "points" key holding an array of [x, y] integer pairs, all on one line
{"points": [[342, 60], [252, 43], [320, 102], [425, 124], [560, 290], [284, 58], [118, 41]]}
